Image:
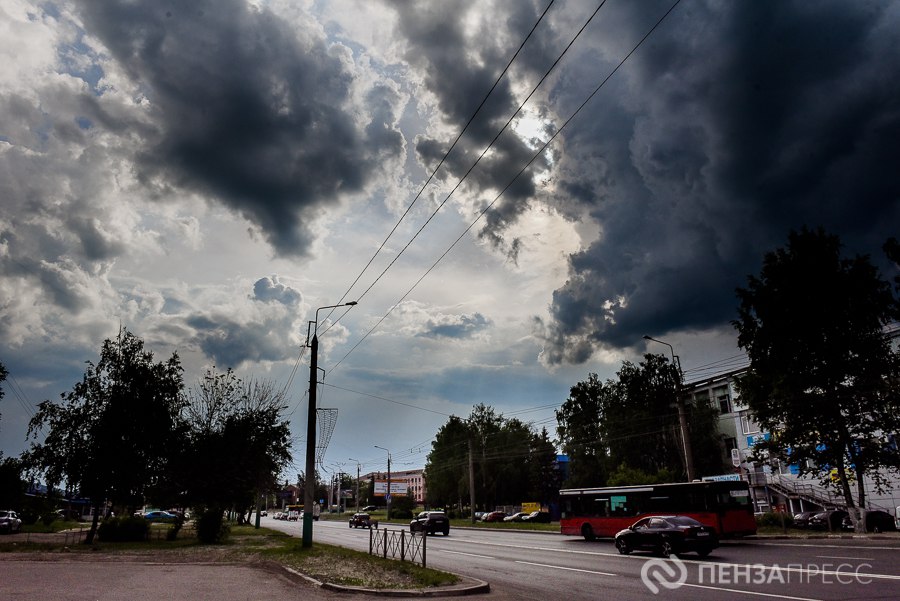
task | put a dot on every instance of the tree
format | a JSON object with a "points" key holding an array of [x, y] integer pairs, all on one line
{"points": [[630, 426], [112, 436], [505, 455], [578, 429], [823, 377], [237, 445], [544, 476]]}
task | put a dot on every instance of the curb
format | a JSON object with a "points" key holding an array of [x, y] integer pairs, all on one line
{"points": [[474, 587]]}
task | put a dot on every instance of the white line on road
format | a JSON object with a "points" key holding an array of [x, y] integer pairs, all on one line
{"points": [[467, 554], [734, 590], [544, 565], [840, 557]]}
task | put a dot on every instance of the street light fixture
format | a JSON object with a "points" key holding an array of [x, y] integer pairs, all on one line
{"points": [[388, 493], [682, 414], [309, 492]]}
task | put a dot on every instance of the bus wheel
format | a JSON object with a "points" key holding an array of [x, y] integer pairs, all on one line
{"points": [[622, 546], [587, 532]]}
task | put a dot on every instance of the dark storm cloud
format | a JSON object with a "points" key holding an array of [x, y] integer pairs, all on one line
{"points": [[459, 73], [455, 326], [249, 110], [740, 122]]}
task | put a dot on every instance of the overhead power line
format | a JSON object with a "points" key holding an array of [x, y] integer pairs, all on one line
{"points": [[534, 157], [437, 168]]}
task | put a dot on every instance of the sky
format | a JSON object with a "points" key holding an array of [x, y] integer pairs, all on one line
{"points": [[509, 216]]}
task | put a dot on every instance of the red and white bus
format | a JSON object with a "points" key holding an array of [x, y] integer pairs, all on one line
{"points": [[602, 512]]}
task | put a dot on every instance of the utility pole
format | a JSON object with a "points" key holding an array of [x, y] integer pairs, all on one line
{"points": [[388, 496], [471, 483]]}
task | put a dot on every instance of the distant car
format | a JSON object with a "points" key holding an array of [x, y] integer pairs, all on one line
{"points": [[160, 516], [479, 515], [667, 535], [264, 513], [537, 517], [828, 520], [9, 522], [801, 520], [876, 521], [431, 522], [516, 517], [368, 508], [362, 520], [494, 516], [69, 514]]}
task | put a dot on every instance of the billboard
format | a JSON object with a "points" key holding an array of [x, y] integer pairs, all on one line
{"points": [[398, 487]]}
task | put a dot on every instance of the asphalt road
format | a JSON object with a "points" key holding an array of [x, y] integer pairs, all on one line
{"points": [[541, 566]]}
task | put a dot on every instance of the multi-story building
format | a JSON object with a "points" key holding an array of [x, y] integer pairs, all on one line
{"points": [[778, 486]]}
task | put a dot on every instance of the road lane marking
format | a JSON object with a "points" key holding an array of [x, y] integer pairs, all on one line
{"points": [[544, 565], [841, 557], [467, 554], [865, 547], [743, 592]]}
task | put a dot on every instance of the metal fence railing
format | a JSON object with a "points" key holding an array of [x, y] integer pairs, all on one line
{"points": [[398, 544]]}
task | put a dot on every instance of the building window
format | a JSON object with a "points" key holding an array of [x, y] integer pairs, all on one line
{"points": [[747, 426]]}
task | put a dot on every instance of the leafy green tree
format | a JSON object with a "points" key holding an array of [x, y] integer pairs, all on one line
{"points": [[630, 425], [446, 467], [579, 432], [238, 443], [504, 454], [823, 377], [544, 476], [112, 436]]}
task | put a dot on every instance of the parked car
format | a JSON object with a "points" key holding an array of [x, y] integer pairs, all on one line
{"points": [[264, 513], [69, 514], [668, 535], [494, 516], [516, 517], [876, 521], [801, 520], [431, 522], [828, 520], [9, 522], [537, 517], [160, 516], [369, 508], [362, 520]]}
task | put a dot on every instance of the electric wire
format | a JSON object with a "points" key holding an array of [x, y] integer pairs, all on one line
{"points": [[439, 165], [512, 181]]}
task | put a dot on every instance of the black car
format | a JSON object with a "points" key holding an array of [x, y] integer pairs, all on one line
{"points": [[431, 522], [668, 535], [801, 520], [537, 517], [876, 521], [362, 520], [828, 520]]}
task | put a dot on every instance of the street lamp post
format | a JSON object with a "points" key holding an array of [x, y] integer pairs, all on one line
{"points": [[388, 497], [682, 414], [357, 482], [309, 492]]}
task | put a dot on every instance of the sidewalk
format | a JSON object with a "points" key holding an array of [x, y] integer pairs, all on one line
{"points": [[65, 577]]}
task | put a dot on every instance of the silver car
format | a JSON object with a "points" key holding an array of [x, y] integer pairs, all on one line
{"points": [[9, 522]]}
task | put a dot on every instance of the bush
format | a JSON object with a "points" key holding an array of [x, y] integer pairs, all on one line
{"points": [[401, 514], [124, 529], [211, 527], [773, 519]]}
